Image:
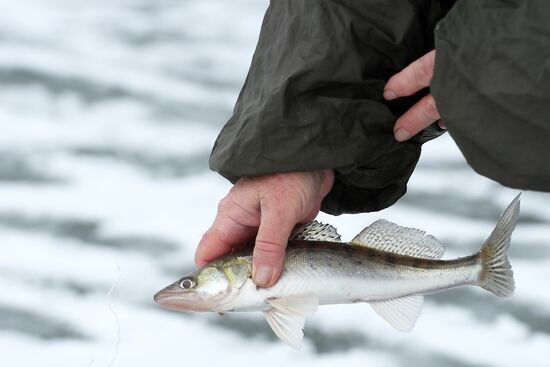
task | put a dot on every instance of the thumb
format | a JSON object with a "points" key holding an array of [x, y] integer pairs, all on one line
{"points": [[269, 250]]}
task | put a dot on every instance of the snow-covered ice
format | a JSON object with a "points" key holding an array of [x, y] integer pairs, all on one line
{"points": [[108, 111]]}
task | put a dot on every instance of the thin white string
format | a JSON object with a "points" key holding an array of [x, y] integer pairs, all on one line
{"points": [[117, 322]]}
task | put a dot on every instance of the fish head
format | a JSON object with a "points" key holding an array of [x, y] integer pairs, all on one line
{"points": [[206, 289]]}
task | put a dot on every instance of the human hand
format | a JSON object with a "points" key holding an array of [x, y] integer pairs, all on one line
{"points": [[410, 80], [270, 206]]}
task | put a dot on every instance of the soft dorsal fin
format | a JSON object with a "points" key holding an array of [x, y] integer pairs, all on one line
{"points": [[315, 231], [401, 313], [287, 317], [390, 237]]}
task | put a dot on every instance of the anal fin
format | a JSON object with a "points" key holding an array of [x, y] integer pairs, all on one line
{"points": [[401, 313]]}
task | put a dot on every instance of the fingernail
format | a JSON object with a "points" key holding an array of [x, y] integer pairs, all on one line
{"points": [[389, 95], [262, 275], [401, 135]]}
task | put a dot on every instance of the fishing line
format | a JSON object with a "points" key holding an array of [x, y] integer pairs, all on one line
{"points": [[117, 322]]}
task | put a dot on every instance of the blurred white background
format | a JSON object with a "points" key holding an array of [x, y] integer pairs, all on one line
{"points": [[108, 111]]}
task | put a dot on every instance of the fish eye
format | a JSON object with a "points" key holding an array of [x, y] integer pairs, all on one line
{"points": [[187, 283]]}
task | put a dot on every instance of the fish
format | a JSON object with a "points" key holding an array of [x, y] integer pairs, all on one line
{"points": [[386, 265]]}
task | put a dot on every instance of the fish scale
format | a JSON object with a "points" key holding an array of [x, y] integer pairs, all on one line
{"points": [[367, 275]]}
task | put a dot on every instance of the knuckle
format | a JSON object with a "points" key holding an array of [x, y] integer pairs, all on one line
{"points": [[419, 73], [227, 204], [423, 71], [206, 240], [270, 249], [224, 203], [286, 207], [431, 108]]}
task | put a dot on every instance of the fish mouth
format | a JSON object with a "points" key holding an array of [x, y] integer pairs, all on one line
{"points": [[174, 299], [168, 298], [160, 297]]}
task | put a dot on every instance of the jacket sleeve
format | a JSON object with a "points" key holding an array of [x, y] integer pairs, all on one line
{"points": [[492, 87], [313, 98]]}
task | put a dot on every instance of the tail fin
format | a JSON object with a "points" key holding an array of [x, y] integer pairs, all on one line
{"points": [[497, 275]]}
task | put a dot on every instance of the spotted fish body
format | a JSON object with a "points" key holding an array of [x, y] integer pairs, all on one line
{"points": [[388, 266], [338, 275]]}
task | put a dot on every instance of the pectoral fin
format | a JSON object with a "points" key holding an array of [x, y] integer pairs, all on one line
{"points": [[401, 313], [287, 317]]}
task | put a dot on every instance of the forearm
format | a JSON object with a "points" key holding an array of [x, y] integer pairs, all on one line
{"points": [[313, 99]]}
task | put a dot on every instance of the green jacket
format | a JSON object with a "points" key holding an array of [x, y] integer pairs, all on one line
{"points": [[313, 95]]}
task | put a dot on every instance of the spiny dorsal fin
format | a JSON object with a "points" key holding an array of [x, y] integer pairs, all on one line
{"points": [[315, 231], [401, 313], [287, 317], [387, 236]]}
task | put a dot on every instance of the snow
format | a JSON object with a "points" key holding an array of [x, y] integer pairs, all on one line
{"points": [[108, 112]]}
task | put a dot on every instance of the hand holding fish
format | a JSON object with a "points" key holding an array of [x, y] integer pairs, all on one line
{"points": [[269, 206]]}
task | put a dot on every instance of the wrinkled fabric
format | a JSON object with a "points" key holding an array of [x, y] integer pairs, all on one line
{"points": [[312, 98], [492, 87]]}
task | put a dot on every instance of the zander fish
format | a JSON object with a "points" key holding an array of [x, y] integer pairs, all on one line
{"points": [[386, 265]]}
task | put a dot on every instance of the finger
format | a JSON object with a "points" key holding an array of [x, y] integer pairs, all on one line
{"points": [[413, 78], [228, 231], [417, 118], [221, 239], [271, 241]]}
